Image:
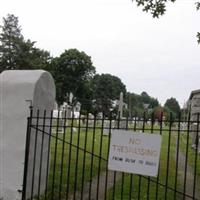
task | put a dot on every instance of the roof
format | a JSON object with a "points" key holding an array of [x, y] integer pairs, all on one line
{"points": [[193, 93]]}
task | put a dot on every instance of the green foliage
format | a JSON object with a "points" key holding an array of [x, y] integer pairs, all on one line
{"points": [[146, 99], [158, 113], [72, 71], [155, 7], [169, 115], [198, 5], [158, 7], [10, 39], [106, 88], [30, 57], [164, 113], [173, 106], [198, 38], [198, 34], [16, 52], [138, 104]]}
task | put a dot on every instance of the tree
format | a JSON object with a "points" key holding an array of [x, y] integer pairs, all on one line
{"points": [[16, 52], [146, 99], [158, 113], [137, 104], [155, 7], [134, 105], [11, 39], [173, 106], [106, 88], [198, 34], [170, 115], [72, 71], [158, 8], [30, 57], [163, 114]]}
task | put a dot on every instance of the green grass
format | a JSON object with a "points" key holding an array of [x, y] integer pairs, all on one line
{"points": [[147, 185], [193, 156], [78, 165], [81, 166]]}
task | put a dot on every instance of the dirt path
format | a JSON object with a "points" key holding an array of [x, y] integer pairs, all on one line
{"points": [[189, 178], [110, 178], [94, 189]]}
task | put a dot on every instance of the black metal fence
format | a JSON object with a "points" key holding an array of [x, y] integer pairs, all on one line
{"points": [[67, 157]]}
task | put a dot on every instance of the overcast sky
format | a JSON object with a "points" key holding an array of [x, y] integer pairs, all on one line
{"points": [[159, 56]]}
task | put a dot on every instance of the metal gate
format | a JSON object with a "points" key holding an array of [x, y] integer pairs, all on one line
{"points": [[67, 157]]}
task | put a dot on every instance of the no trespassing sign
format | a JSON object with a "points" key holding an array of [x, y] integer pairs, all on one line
{"points": [[134, 152]]}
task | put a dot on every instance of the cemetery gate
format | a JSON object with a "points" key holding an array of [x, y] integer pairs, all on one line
{"points": [[67, 158]]}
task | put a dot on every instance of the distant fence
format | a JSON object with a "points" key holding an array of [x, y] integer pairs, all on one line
{"points": [[67, 157]]}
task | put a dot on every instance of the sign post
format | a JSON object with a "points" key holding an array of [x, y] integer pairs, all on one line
{"points": [[132, 152]]}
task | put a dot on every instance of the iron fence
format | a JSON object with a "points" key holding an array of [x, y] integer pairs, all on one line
{"points": [[67, 158]]}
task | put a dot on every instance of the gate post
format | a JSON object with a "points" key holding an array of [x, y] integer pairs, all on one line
{"points": [[27, 145], [16, 145]]}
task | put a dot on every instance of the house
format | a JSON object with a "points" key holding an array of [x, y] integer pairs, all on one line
{"points": [[194, 113]]}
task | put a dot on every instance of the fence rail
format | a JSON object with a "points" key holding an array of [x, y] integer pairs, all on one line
{"points": [[67, 157]]}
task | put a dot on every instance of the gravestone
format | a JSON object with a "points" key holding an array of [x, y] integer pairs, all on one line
{"points": [[90, 120], [77, 110], [106, 127], [19, 89], [61, 121], [121, 104], [183, 126], [121, 122], [55, 106]]}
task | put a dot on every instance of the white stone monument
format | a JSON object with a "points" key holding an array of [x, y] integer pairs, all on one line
{"points": [[16, 88], [106, 127], [121, 104], [121, 122]]}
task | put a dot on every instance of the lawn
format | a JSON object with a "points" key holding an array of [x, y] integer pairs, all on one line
{"points": [[192, 158], [142, 187], [83, 157], [77, 163]]}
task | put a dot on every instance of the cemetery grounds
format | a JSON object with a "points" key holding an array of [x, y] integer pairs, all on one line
{"points": [[78, 164]]}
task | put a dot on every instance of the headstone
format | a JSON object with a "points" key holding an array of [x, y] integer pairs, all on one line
{"points": [[76, 110], [61, 121], [16, 88], [145, 105], [90, 120], [121, 124], [106, 127], [83, 120], [68, 112], [71, 97], [55, 106], [100, 115], [183, 126], [121, 105], [64, 115], [156, 123]]}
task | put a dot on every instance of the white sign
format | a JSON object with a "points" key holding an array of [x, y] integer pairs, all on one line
{"points": [[133, 152]]}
